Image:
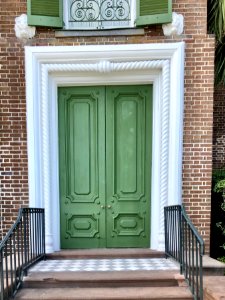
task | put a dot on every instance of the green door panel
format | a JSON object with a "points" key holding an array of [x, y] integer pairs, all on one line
{"points": [[128, 165], [105, 166], [82, 166]]}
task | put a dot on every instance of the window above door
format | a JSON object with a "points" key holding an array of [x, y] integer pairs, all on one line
{"points": [[98, 14]]}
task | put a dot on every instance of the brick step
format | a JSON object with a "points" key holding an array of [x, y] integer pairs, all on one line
{"points": [[122, 293], [106, 253], [102, 279]]}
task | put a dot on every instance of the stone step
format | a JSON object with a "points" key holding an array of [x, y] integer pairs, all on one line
{"points": [[122, 293], [212, 267], [214, 287], [106, 253], [102, 279]]}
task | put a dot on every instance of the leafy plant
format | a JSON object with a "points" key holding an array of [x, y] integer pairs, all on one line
{"points": [[217, 175], [222, 259], [220, 188]]}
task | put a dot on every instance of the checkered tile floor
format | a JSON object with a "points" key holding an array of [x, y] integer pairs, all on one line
{"points": [[104, 265]]}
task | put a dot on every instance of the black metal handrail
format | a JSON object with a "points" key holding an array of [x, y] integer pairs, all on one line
{"points": [[23, 245], [184, 244]]}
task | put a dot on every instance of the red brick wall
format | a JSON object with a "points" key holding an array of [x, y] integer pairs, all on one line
{"points": [[198, 116], [13, 154], [219, 128]]}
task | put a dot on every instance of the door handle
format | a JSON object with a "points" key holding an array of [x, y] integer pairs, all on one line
{"points": [[102, 206], [109, 206]]}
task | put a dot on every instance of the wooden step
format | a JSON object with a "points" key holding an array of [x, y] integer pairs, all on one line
{"points": [[122, 293], [106, 253], [101, 279]]}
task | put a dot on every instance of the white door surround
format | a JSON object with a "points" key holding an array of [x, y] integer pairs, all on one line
{"points": [[49, 67]]}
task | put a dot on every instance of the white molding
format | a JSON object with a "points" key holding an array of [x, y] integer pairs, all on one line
{"points": [[50, 67]]}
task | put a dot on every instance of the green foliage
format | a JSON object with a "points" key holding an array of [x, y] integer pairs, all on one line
{"points": [[216, 25], [220, 62], [221, 226], [216, 18], [222, 259], [217, 175], [220, 187]]}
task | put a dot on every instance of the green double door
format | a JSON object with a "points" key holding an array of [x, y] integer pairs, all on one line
{"points": [[105, 166]]}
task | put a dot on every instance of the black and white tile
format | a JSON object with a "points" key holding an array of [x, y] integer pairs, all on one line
{"points": [[78, 265]]}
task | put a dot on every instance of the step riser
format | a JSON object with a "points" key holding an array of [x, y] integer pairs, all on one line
{"points": [[82, 284], [106, 253], [122, 298], [167, 293]]}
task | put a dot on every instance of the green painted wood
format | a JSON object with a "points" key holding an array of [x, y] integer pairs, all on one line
{"points": [[105, 166], [153, 12], [45, 13], [82, 166], [128, 165]]}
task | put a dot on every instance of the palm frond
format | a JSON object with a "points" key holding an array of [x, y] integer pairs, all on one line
{"points": [[220, 62], [216, 25], [216, 18]]}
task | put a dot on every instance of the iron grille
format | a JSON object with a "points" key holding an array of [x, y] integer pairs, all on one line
{"points": [[99, 14]]}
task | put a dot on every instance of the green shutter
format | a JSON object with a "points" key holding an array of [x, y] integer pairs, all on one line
{"points": [[45, 12], [154, 12]]}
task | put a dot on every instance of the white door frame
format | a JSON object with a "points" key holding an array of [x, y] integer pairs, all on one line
{"points": [[49, 67]]}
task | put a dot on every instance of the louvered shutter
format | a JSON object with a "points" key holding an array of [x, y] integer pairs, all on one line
{"points": [[153, 12], [45, 13]]}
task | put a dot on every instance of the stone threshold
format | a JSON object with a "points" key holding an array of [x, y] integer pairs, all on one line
{"points": [[212, 267]]}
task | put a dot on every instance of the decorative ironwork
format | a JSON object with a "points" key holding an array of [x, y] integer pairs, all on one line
{"points": [[99, 13], [23, 246], [184, 244]]}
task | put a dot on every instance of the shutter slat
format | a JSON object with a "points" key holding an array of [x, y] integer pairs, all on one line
{"points": [[46, 8], [154, 11], [153, 7], [45, 12]]}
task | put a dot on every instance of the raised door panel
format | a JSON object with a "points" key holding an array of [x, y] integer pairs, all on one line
{"points": [[82, 166], [128, 165]]}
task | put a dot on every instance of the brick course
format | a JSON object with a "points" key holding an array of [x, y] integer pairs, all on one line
{"points": [[198, 114], [219, 128]]}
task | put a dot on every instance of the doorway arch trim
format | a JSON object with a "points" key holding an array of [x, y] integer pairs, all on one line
{"points": [[49, 67]]}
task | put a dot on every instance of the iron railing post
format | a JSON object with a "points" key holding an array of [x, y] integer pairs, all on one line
{"points": [[166, 235], [2, 275], [43, 235], [201, 271], [25, 238], [181, 240]]}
